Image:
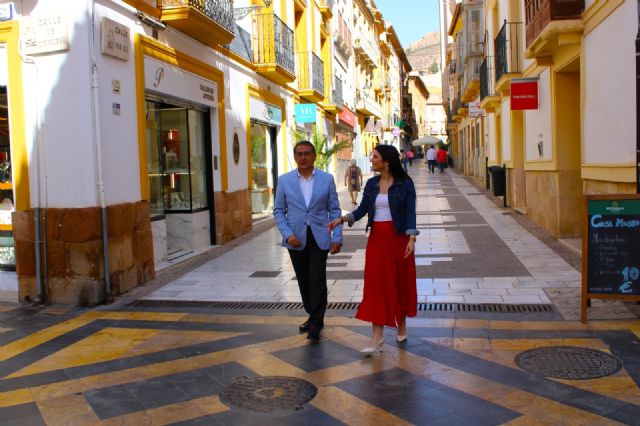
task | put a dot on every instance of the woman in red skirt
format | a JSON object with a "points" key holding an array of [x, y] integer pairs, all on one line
{"points": [[389, 200]]}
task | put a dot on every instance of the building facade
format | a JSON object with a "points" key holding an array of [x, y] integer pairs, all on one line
{"points": [[177, 118], [579, 136]]}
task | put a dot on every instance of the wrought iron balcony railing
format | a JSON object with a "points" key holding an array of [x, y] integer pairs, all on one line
{"points": [[310, 72], [336, 93], [273, 42], [487, 78], [220, 11], [508, 49], [539, 13]]}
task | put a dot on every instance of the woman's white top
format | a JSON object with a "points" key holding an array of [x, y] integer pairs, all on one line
{"points": [[383, 212]]}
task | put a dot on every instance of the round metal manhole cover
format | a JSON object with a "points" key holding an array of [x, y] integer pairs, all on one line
{"points": [[271, 393], [568, 362]]}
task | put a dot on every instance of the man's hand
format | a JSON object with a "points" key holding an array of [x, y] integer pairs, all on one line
{"points": [[335, 248], [293, 241]]}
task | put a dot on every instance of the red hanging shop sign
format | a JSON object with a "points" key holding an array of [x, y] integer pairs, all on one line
{"points": [[524, 94]]}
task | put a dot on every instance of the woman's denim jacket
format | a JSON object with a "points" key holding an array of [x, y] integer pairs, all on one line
{"points": [[402, 203]]}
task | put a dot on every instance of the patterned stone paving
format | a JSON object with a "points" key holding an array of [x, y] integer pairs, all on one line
{"points": [[468, 251], [152, 366]]}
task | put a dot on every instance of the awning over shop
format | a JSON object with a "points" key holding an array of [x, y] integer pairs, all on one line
{"points": [[425, 140]]}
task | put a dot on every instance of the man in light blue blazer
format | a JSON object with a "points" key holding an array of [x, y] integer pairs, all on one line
{"points": [[306, 201]]}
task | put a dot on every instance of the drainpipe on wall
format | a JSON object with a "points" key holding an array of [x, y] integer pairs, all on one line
{"points": [[98, 154], [37, 142]]}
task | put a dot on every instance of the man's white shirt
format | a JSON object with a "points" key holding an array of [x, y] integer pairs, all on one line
{"points": [[306, 186]]}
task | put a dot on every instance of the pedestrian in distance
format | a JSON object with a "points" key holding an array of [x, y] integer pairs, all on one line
{"points": [[353, 180], [431, 159], [441, 158], [410, 156], [404, 160], [390, 294], [306, 200]]}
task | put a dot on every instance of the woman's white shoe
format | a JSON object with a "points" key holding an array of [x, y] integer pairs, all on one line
{"points": [[371, 350], [401, 338]]}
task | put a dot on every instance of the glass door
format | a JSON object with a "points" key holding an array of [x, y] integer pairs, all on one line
{"points": [[7, 202], [264, 169]]}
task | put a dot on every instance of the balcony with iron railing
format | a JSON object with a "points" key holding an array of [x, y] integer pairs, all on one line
{"points": [[310, 76], [545, 16], [487, 78], [272, 45], [208, 21], [508, 50], [365, 52], [471, 78], [333, 99]]}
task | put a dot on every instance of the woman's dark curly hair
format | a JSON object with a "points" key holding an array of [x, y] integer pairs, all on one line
{"points": [[390, 154]]}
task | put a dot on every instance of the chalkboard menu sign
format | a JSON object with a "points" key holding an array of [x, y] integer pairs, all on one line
{"points": [[611, 249]]}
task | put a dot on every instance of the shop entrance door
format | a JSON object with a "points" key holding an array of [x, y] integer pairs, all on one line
{"points": [[180, 177], [264, 169]]}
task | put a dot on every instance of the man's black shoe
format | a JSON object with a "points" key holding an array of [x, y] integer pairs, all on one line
{"points": [[314, 332], [305, 326]]}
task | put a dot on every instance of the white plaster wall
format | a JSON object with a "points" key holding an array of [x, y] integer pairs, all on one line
{"points": [[503, 12], [62, 93], [609, 122], [120, 160], [523, 37], [490, 135], [537, 123], [505, 129]]}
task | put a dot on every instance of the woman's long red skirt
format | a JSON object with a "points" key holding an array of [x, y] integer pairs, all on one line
{"points": [[389, 279]]}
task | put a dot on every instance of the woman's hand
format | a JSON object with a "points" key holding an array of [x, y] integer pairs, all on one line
{"points": [[335, 223], [410, 248]]}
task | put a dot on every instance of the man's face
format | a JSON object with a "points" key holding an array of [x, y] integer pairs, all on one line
{"points": [[304, 156]]}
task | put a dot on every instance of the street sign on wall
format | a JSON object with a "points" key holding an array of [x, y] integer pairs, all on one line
{"points": [[524, 94]]}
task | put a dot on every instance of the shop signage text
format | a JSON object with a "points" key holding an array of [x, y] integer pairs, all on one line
{"points": [[115, 39], [45, 34], [347, 117], [305, 113], [163, 78], [524, 94], [265, 112], [475, 110]]}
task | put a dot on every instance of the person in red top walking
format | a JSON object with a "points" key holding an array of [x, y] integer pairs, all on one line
{"points": [[441, 158]]}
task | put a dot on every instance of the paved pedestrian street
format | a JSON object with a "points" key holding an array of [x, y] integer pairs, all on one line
{"points": [[172, 366], [215, 341]]}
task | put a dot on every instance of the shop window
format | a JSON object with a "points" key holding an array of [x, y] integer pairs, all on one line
{"points": [[179, 173], [263, 168], [7, 251]]}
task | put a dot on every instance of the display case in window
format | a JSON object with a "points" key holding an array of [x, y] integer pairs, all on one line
{"points": [[178, 172]]}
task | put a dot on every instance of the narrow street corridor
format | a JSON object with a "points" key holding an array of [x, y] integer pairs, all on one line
{"points": [[177, 353]]}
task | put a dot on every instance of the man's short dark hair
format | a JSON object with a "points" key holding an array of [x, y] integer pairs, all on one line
{"points": [[304, 143]]}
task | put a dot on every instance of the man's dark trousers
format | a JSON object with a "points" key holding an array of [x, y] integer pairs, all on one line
{"points": [[310, 266]]}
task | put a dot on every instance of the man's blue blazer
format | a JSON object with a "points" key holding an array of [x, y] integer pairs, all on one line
{"points": [[292, 215]]}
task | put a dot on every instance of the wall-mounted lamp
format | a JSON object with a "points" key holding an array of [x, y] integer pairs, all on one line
{"points": [[240, 12]]}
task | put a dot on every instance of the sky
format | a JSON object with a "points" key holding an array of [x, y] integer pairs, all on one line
{"points": [[410, 18]]}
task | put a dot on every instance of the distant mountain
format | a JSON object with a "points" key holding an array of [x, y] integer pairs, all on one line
{"points": [[422, 54]]}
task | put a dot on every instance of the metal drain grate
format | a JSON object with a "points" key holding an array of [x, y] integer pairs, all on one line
{"points": [[348, 306], [265, 274], [568, 362]]}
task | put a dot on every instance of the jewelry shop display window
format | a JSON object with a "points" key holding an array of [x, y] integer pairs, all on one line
{"points": [[7, 249], [178, 162]]}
